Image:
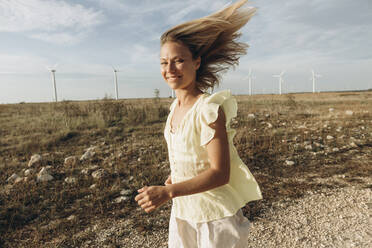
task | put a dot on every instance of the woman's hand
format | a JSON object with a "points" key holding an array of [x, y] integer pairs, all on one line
{"points": [[168, 181], [152, 197]]}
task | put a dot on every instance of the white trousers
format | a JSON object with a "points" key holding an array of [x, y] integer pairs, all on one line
{"points": [[228, 232]]}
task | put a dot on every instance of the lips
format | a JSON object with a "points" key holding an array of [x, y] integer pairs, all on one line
{"points": [[173, 77]]}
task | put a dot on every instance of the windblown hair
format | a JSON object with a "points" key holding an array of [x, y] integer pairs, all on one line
{"points": [[214, 39]]}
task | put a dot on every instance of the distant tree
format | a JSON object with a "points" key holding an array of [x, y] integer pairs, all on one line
{"points": [[157, 93], [108, 97]]}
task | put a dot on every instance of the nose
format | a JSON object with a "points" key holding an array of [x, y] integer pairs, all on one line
{"points": [[170, 67]]}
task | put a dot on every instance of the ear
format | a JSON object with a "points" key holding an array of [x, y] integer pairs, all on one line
{"points": [[197, 63]]}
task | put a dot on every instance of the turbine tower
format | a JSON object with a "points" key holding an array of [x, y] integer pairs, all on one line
{"points": [[53, 71], [314, 76], [116, 82], [280, 76], [250, 77], [211, 90]]}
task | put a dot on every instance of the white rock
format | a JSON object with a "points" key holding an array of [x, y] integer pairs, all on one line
{"points": [[92, 148], [71, 218], [126, 192], [139, 159], [329, 137], [35, 160], [44, 176], [289, 162], [309, 147], [87, 155], [29, 172], [71, 161], [43, 171], [349, 112], [93, 186], [352, 144], [269, 125], [331, 110], [70, 180], [251, 116], [88, 170], [121, 199], [98, 174], [12, 178], [335, 149], [20, 179]]}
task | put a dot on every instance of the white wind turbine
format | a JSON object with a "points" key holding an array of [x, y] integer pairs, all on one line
{"points": [[280, 76], [211, 90], [53, 71], [116, 82], [314, 76], [250, 77]]}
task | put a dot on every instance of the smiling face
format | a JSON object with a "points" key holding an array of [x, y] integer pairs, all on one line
{"points": [[177, 66]]}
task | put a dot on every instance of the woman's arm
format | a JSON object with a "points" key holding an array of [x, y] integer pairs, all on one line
{"points": [[217, 175]]}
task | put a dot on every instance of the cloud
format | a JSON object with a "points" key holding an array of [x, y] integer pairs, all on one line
{"points": [[59, 38], [22, 64], [172, 11], [141, 54], [299, 27], [185, 11], [37, 65], [48, 20]]}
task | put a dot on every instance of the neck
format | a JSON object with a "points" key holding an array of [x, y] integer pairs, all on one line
{"points": [[187, 96]]}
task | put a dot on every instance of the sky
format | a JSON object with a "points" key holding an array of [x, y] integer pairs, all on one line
{"points": [[85, 38]]}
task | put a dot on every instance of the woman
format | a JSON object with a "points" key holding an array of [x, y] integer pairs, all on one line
{"points": [[209, 183]]}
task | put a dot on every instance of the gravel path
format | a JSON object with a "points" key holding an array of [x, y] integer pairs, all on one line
{"points": [[332, 218], [329, 218]]}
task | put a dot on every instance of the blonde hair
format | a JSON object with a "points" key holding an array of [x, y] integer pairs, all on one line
{"points": [[214, 39]]}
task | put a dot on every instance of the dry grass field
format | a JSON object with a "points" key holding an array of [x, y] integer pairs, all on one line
{"points": [[293, 144]]}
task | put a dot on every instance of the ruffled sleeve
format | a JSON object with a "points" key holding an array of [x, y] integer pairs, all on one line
{"points": [[209, 113]]}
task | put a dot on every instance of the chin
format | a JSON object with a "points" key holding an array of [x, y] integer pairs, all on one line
{"points": [[173, 85]]}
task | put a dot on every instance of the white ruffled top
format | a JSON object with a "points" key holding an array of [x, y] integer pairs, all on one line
{"points": [[188, 157]]}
